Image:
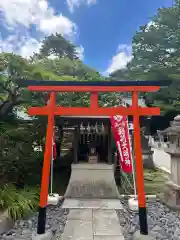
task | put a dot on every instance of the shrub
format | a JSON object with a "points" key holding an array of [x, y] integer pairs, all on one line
{"points": [[18, 203]]}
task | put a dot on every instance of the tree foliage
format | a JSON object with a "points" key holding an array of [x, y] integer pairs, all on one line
{"points": [[156, 45], [57, 45], [156, 56]]}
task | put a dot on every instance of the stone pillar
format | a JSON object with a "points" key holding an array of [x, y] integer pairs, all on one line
{"points": [[171, 195], [147, 153], [172, 187]]}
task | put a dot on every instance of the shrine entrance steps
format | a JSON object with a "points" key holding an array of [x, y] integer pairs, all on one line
{"points": [[92, 198], [93, 220], [91, 181]]}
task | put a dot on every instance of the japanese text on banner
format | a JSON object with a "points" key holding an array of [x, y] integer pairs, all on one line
{"points": [[121, 136]]}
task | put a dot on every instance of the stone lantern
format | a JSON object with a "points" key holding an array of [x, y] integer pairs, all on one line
{"points": [[172, 187]]}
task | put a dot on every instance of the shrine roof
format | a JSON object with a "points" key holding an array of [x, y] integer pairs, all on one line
{"points": [[70, 120]]}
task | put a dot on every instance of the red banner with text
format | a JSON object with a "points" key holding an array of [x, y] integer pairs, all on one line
{"points": [[120, 130]]}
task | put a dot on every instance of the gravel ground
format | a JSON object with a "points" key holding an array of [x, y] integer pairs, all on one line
{"points": [[163, 223], [56, 220]]}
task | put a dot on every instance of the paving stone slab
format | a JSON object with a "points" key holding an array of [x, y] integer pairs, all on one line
{"points": [[108, 214], [45, 236], [109, 237], [80, 214], [138, 236], [77, 230], [92, 204], [114, 204], [70, 203], [106, 222]]}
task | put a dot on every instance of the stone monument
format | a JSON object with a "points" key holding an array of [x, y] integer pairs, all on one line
{"points": [[147, 153], [171, 195]]}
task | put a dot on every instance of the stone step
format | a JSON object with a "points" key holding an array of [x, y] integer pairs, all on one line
{"points": [[92, 204], [92, 181], [91, 224]]}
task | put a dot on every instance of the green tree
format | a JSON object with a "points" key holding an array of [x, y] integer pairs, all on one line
{"points": [[121, 74], [156, 45], [57, 45], [156, 56], [13, 67]]}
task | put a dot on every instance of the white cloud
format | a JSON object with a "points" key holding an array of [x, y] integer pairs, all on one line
{"points": [[151, 24], [120, 60], [80, 52], [36, 12], [24, 45], [18, 16], [29, 47], [77, 3], [6, 45], [58, 24], [52, 56]]}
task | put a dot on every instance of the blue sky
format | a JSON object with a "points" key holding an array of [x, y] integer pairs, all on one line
{"points": [[102, 29]]}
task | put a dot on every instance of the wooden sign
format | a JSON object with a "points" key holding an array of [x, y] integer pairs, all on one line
{"points": [[93, 158]]}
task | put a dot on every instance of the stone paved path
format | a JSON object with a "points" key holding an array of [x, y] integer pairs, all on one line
{"points": [[95, 220]]}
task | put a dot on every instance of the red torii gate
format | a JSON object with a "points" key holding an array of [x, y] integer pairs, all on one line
{"points": [[52, 110]]}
